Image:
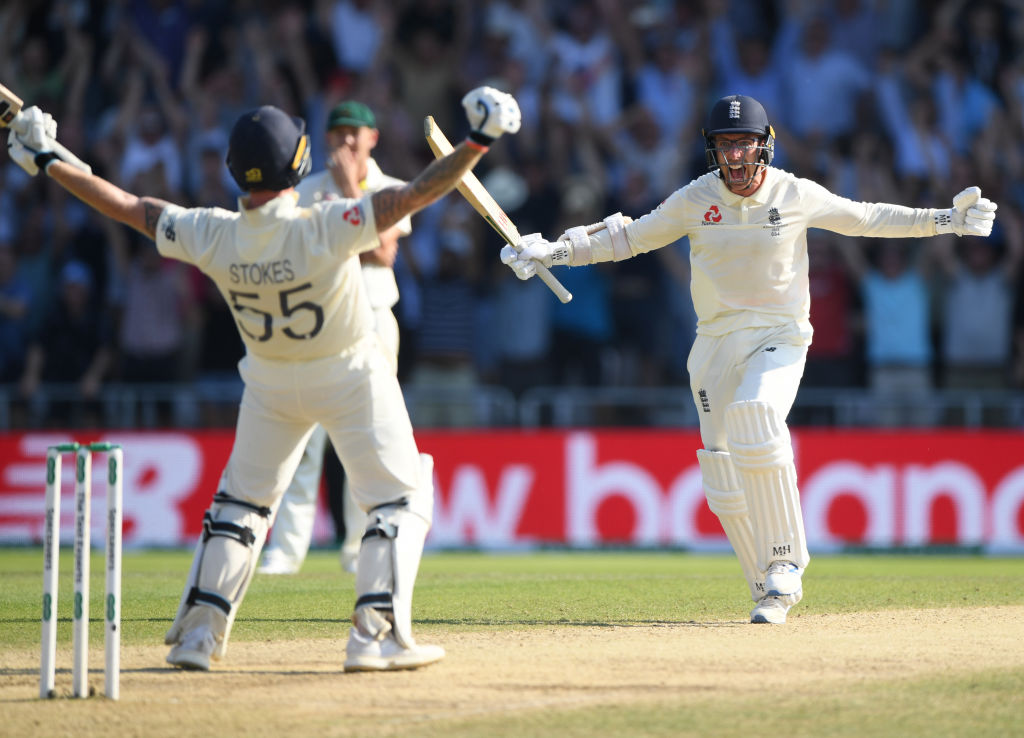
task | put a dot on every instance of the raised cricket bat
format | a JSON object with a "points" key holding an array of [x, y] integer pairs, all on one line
{"points": [[11, 117], [482, 201]]}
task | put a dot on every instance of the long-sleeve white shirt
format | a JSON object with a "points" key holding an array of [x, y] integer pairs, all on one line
{"points": [[749, 254]]}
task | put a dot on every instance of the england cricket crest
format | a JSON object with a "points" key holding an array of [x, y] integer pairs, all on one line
{"points": [[774, 220]]}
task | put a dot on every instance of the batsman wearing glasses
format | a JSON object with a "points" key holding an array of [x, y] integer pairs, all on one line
{"points": [[747, 226]]}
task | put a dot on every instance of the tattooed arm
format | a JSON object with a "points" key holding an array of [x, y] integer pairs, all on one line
{"points": [[141, 213], [437, 180]]}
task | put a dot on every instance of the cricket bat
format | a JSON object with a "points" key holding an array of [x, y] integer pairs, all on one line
{"points": [[482, 201], [11, 117]]}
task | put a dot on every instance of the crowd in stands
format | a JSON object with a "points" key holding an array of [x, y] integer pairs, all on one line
{"points": [[904, 101]]}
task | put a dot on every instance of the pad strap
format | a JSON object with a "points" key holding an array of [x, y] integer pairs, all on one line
{"points": [[198, 596]]}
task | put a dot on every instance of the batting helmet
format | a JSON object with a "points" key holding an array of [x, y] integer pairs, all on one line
{"points": [[738, 114], [268, 150]]}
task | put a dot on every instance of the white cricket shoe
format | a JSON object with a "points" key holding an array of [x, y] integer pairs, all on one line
{"points": [[381, 652], [194, 649], [367, 654], [782, 579], [276, 561], [773, 608], [769, 609]]}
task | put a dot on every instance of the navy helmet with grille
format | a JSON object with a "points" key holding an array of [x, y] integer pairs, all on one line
{"points": [[738, 114]]}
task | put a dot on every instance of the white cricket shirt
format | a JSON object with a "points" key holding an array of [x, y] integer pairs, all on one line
{"points": [[749, 254], [290, 274], [380, 283]]}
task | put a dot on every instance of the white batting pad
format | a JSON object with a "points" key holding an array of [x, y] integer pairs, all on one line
{"points": [[389, 560], [727, 501], [761, 449], [234, 532]]}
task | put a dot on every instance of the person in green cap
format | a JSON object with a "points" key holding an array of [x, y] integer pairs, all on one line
{"points": [[352, 135]]}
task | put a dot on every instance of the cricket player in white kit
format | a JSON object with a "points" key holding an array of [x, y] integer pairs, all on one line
{"points": [[353, 125], [292, 277], [747, 225]]}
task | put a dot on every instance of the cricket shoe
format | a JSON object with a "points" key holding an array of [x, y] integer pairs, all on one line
{"points": [[773, 608], [372, 646], [194, 650], [783, 578], [203, 629], [277, 562]]}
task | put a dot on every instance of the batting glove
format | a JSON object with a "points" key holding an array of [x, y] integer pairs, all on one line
{"points": [[491, 113], [524, 268], [971, 215], [32, 148]]}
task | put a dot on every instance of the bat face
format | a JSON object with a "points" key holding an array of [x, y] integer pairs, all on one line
{"points": [[10, 106]]}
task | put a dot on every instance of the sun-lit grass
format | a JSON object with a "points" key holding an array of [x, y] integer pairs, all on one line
{"points": [[482, 590]]}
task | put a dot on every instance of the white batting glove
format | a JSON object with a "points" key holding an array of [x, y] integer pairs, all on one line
{"points": [[971, 215], [33, 147], [524, 268], [491, 113]]}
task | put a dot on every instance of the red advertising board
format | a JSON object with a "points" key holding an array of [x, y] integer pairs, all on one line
{"points": [[507, 489]]}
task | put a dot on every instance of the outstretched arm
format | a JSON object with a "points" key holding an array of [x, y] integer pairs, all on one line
{"points": [[392, 204], [36, 148], [491, 113], [141, 213]]}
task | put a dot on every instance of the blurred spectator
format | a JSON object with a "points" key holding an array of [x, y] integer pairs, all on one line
{"points": [[897, 328], [966, 106], [665, 86], [923, 153], [819, 65], [358, 30], [445, 375], [583, 328], [15, 297], [888, 101], [831, 359], [73, 347], [155, 314], [586, 68], [978, 303], [748, 64], [526, 29]]}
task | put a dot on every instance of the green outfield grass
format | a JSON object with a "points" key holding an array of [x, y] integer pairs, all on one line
{"points": [[480, 590]]}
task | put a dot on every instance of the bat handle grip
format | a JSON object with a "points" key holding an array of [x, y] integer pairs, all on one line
{"points": [[69, 158], [553, 284]]}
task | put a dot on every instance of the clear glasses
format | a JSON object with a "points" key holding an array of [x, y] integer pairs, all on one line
{"points": [[744, 145]]}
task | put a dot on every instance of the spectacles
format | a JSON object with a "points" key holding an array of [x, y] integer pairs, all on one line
{"points": [[744, 144]]}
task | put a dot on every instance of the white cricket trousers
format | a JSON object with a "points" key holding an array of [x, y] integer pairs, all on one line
{"points": [[355, 397], [763, 364]]}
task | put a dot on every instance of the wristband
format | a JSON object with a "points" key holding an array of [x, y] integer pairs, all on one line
{"points": [[44, 159], [476, 146], [481, 138]]}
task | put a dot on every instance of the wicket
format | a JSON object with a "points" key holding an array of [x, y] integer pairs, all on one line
{"points": [[83, 542]]}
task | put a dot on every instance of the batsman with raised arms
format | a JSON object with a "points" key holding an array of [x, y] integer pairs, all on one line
{"points": [[292, 276], [747, 225]]}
